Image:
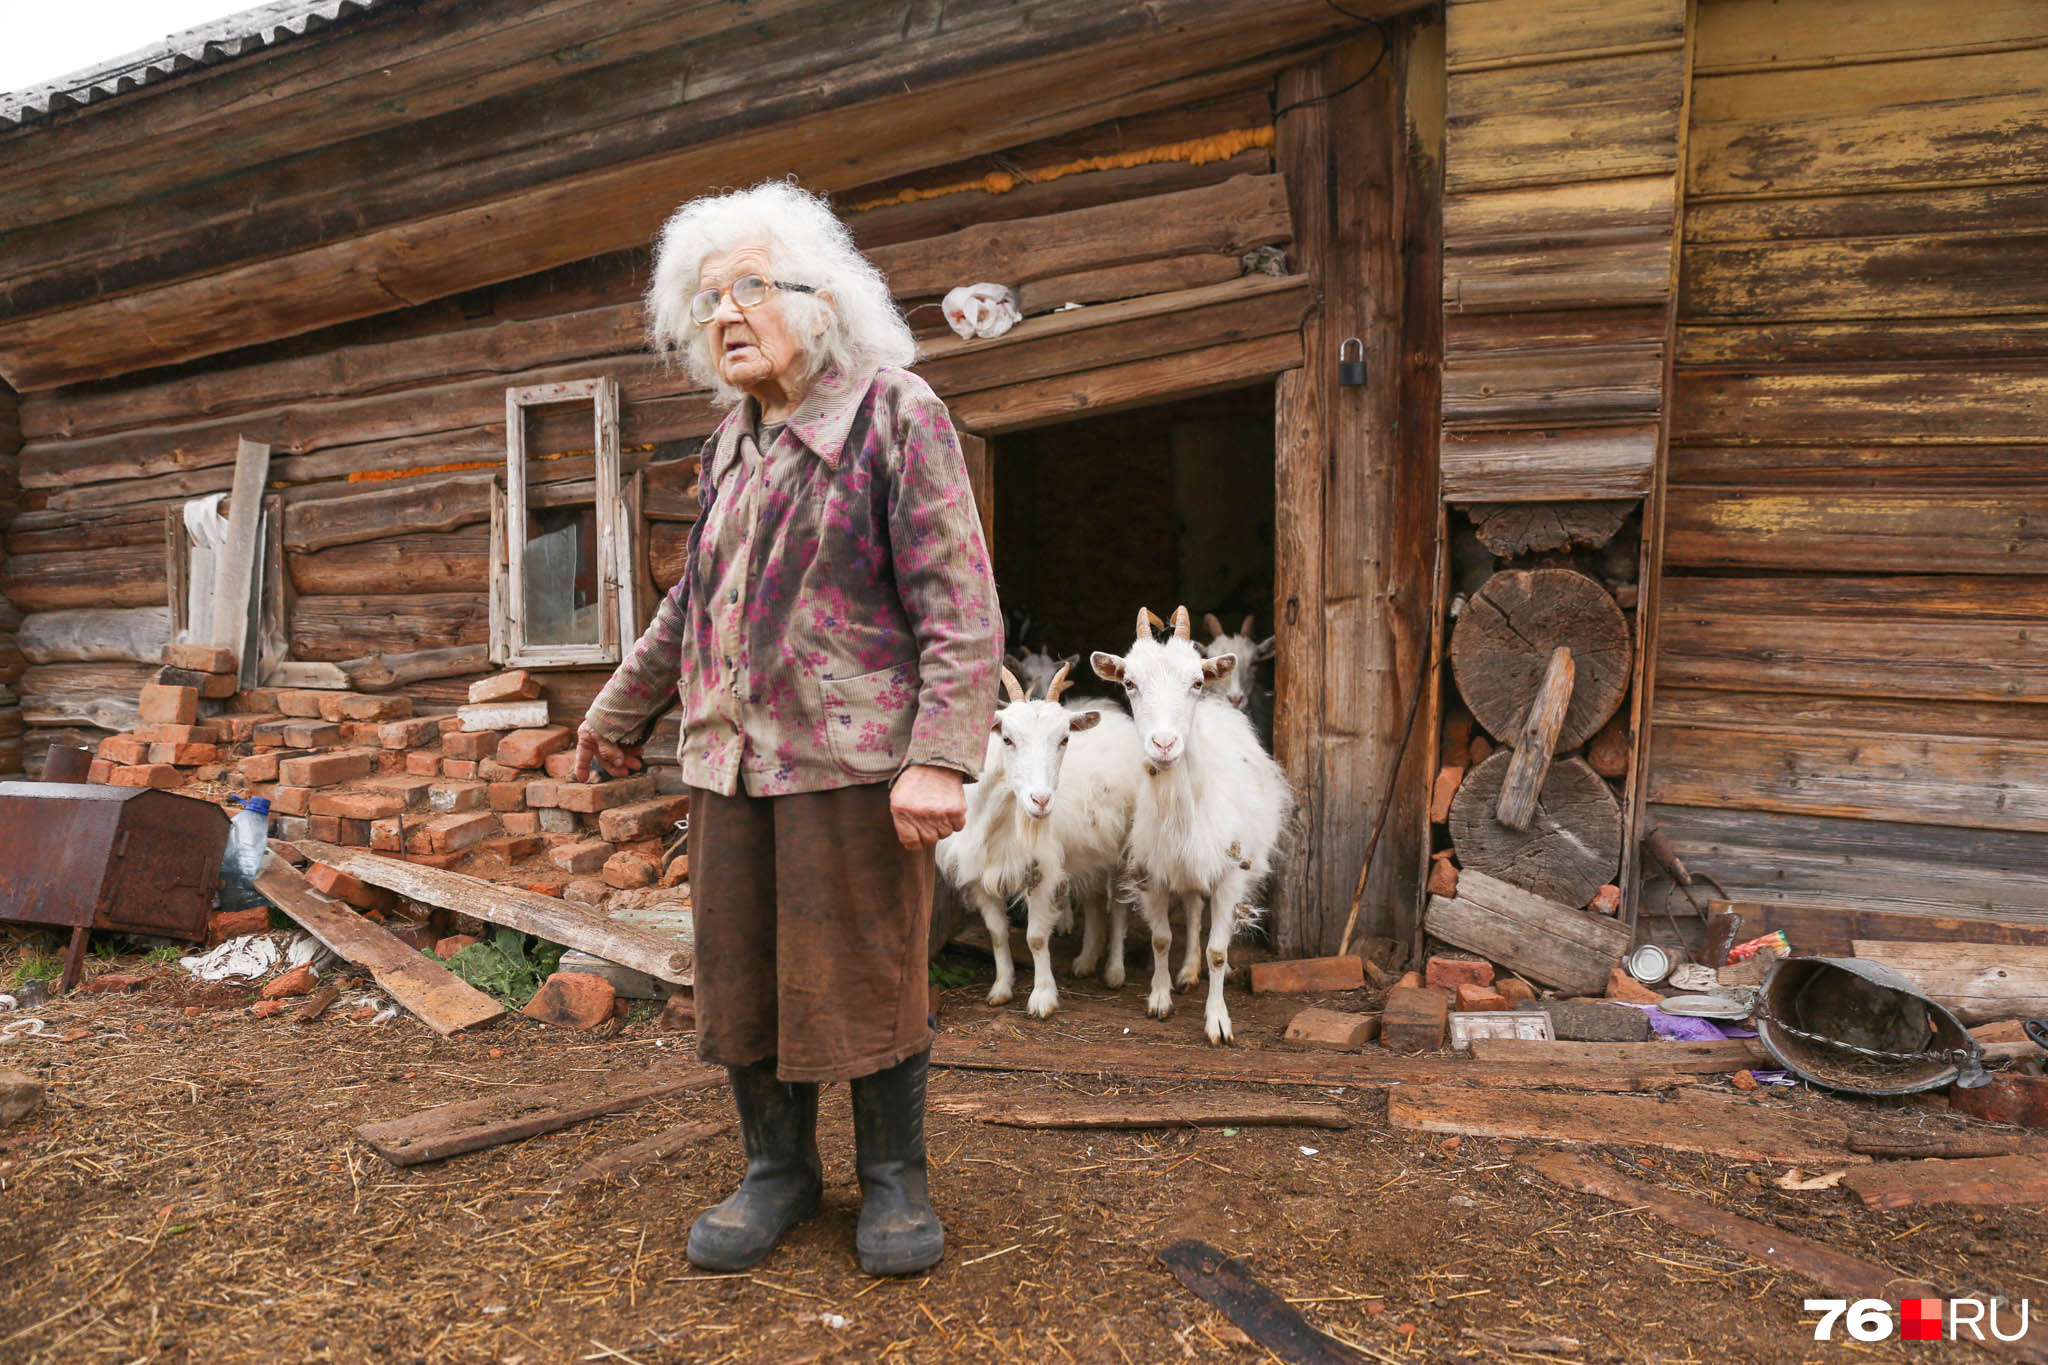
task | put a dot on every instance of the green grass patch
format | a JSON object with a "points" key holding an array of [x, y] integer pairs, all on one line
{"points": [[38, 967], [509, 965]]}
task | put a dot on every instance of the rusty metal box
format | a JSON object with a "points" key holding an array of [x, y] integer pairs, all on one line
{"points": [[130, 859]]}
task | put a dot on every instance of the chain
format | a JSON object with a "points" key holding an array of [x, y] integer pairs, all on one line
{"points": [[1954, 1056]]}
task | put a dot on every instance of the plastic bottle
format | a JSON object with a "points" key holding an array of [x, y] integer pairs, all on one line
{"points": [[248, 842]]}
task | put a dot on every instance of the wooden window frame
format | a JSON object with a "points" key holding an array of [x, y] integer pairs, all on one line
{"points": [[617, 611]]}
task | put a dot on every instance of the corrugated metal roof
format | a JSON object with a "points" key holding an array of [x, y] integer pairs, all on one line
{"points": [[223, 40]]}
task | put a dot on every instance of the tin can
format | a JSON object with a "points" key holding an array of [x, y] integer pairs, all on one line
{"points": [[1649, 964]]}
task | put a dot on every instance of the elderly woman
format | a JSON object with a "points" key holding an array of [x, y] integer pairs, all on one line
{"points": [[835, 640]]}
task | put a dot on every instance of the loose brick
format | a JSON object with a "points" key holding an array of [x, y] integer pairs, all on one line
{"points": [[201, 658], [677, 872], [1481, 750], [590, 798], [357, 805], [504, 715], [516, 848], [330, 707], [1300, 975], [561, 766], [299, 701], [289, 853], [506, 796], [490, 770], [470, 745], [1606, 901], [147, 775], [209, 686], [357, 706], [2010, 1098], [123, 749], [325, 828], [184, 755], [101, 771], [1515, 991], [298, 981], [462, 768], [1449, 973], [1629, 991], [406, 787], [362, 732], [324, 770], [449, 724], [311, 734], [1471, 997], [291, 800], [1336, 1030], [628, 871], [543, 795], [291, 827], [573, 1000], [543, 888], [444, 861], [226, 924], [259, 767], [1441, 795], [423, 762], [1415, 1019], [447, 797], [453, 833], [1443, 878], [408, 734], [269, 735], [559, 821], [679, 1015], [530, 748], [520, 821], [267, 1009], [254, 701], [518, 685], [583, 856], [242, 727], [332, 881], [642, 819], [200, 732], [453, 944], [586, 891], [388, 836], [169, 705]]}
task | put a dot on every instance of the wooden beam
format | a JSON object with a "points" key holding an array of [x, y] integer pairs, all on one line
{"points": [[1148, 1111], [1979, 983], [1992, 1181], [1718, 1125], [234, 577], [511, 1116], [1556, 944]]}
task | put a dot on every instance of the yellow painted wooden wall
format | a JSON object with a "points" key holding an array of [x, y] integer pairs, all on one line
{"points": [[1853, 648]]}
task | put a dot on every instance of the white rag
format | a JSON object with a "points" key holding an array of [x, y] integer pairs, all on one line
{"points": [[981, 310], [251, 956]]}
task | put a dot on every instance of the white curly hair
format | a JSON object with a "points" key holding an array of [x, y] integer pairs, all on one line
{"points": [[851, 320]]}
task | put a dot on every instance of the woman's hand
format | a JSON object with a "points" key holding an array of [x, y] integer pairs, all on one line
{"points": [[593, 750], [927, 804]]}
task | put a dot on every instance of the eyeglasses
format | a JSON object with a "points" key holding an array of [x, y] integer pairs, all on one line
{"points": [[747, 291]]}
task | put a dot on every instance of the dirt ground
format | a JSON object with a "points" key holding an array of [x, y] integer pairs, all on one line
{"points": [[192, 1191]]}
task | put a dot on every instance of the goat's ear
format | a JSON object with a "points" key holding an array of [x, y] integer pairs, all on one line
{"points": [[1218, 667], [1108, 667], [995, 725], [1246, 628], [1083, 720], [1263, 651], [1211, 624]]}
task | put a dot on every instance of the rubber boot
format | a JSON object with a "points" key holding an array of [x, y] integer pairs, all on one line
{"points": [[779, 1126], [899, 1233]]}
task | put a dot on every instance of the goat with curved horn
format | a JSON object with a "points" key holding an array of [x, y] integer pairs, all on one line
{"points": [[1058, 684], [1148, 622], [1181, 625], [1014, 689]]}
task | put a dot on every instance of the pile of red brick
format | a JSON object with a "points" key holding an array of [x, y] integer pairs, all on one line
{"points": [[362, 770]]}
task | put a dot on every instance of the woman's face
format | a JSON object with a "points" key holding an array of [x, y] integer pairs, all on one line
{"points": [[752, 347]]}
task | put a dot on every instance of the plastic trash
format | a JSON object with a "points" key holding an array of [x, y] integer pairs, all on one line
{"points": [[981, 310], [242, 860], [249, 957]]}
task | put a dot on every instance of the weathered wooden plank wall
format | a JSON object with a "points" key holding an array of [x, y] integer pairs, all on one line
{"points": [[12, 663], [1852, 668]]}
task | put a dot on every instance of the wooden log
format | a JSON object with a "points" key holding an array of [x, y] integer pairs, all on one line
{"points": [[512, 1116], [1148, 1111], [1977, 983], [1590, 462], [669, 490], [1547, 941], [1535, 742], [1734, 1054], [385, 672], [1520, 528], [1133, 384], [1572, 846], [88, 635], [554, 920], [122, 576], [330, 629], [1917, 1144], [47, 531], [1228, 1285], [403, 507], [1736, 1127], [442, 1001], [1415, 1019], [1127, 281], [1990, 1181], [448, 561], [1502, 645], [100, 694]]}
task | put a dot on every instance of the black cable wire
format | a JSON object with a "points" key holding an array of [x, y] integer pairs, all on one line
{"points": [[1386, 42]]}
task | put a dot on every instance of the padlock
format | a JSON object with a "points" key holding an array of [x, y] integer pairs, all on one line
{"points": [[1350, 371]]}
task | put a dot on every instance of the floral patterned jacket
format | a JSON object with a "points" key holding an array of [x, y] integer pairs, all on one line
{"points": [[837, 619]]}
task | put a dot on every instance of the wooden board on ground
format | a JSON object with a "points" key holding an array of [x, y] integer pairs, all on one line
{"points": [[1993, 1180], [1830, 931], [616, 1165], [1149, 1111], [1716, 1125], [1271, 1068], [1979, 983], [511, 1115], [1229, 1287], [1733, 1054], [556, 921], [1544, 940], [1844, 1276], [443, 1001], [1913, 1143]]}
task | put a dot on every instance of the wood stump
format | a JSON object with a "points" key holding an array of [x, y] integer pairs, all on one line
{"points": [[1518, 528], [1501, 650], [1572, 846]]}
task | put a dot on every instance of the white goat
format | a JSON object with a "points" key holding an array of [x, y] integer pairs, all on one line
{"points": [[1035, 668], [1240, 684], [1051, 810], [1208, 818]]}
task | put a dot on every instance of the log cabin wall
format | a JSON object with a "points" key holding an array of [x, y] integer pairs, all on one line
{"points": [[1851, 669], [12, 663]]}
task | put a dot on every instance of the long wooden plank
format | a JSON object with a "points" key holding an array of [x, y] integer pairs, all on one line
{"points": [[1978, 982], [1883, 715], [1561, 386], [1148, 1111], [1548, 273], [553, 920], [1946, 275], [1370, 1070], [331, 629], [1065, 397], [1736, 1127], [443, 1001], [1786, 466], [1784, 35], [1842, 1275], [1866, 655], [1831, 931], [1559, 945], [1855, 403], [1878, 340], [514, 1114], [1965, 530], [1991, 1181], [1548, 465], [1734, 1054], [1921, 598], [1483, 32]]}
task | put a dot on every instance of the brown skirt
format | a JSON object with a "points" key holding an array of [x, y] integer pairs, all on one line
{"points": [[811, 933]]}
